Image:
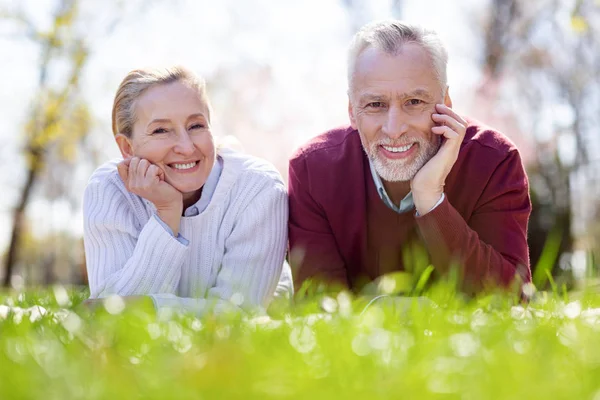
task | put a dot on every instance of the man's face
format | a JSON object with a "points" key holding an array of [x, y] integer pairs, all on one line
{"points": [[391, 101]]}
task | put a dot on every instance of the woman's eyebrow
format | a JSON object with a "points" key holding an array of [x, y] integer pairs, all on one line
{"points": [[159, 120]]}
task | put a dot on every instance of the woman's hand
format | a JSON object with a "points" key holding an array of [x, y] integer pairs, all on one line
{"points": [[148, 181]]}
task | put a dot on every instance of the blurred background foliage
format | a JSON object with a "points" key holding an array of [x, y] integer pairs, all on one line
{"points": [[530, 68]]}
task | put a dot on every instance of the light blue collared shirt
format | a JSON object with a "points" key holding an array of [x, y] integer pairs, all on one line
{"points": [[207, 193], [406, 204]]}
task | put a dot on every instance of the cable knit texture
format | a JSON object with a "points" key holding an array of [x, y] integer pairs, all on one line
{"points": [[236, 245]]}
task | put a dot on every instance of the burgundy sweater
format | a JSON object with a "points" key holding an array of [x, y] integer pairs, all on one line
{"points": [[335, 226]]}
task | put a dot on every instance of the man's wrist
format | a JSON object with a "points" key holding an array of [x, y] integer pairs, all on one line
{"points": [[426, 201]]}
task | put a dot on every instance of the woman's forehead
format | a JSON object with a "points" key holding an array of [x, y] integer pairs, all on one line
{"points": [[174, 99]]}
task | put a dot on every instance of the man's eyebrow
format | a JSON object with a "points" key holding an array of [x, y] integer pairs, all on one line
{"points": [[372, 97], [417, 93]]}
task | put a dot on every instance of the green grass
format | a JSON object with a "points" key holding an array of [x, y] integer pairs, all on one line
{"points": [[324, 347]]}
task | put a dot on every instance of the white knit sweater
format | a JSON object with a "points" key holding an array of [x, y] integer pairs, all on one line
{"points": [[236, 245]]}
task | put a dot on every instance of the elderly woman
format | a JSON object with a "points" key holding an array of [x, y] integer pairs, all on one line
{"points": [[189, 225]]}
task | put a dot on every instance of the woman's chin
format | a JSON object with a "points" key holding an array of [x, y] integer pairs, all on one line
{"points": [[187, 188]]}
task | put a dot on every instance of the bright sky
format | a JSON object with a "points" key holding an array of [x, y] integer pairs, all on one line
{"points": [[303, 43]]}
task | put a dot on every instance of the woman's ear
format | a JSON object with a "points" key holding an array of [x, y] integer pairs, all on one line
{"points": [[125, 145]]}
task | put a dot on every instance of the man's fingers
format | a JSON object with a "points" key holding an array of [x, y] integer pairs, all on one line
{"points": [[444, 109], [449, 121], [445, 131]]}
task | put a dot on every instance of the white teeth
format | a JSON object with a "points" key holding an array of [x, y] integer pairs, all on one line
{"points": [[184, 166], [398, 149]]}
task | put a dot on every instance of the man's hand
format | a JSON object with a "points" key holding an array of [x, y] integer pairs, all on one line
{"points": [[148, 181], [428, 184]]}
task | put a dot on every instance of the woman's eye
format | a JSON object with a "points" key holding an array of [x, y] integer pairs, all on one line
{"points": [[197, 126], [159, 130], [376, 104], [415, 102]]}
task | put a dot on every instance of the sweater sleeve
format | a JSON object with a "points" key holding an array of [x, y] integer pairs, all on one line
{"points": [[251, 269], [491, 247], [121, 257], [313, 249]]}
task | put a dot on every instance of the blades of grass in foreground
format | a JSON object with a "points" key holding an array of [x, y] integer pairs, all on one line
{"points": [[329, 346]]}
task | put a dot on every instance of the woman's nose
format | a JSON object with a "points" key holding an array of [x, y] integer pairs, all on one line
{"points": [[184, 144]]}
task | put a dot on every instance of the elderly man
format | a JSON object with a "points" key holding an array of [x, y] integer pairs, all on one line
{"points": [[408, 173]]}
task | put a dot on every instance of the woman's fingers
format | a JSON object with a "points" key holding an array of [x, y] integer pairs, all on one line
{"points": [[133, 164], [142, 168], [123, 169], [147, 180], [153, 174]]}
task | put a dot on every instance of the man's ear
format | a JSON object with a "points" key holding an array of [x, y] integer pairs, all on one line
{"points": [[351, 113], [447, 99], [125, 145]]}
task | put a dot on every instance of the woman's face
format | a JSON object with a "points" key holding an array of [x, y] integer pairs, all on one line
{"points": [[172, 131]]}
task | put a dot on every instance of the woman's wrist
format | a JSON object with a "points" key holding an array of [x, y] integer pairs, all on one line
{"points": [[171, 217]]}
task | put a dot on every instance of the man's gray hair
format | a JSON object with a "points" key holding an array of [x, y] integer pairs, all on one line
{"points": [[389, 37]]}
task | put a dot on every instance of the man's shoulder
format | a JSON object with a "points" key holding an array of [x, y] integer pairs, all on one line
{"points": [[334, 145], [480, 135]]}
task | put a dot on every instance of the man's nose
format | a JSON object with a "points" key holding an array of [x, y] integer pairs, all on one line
{"points": [[395, 125]]}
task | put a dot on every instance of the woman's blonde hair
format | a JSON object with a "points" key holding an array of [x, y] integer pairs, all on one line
{"points": [[138, 81]]}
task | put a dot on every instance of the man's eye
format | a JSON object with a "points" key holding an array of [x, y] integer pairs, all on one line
{"points": [[159, 130], [198, 126], [415, 102], [376, 104]]}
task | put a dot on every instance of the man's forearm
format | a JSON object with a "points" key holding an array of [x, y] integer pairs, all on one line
{"points": [[450, 239]]}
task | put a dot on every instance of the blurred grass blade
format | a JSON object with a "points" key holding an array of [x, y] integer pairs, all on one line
{"points": [[548, 258], [423, 279]]}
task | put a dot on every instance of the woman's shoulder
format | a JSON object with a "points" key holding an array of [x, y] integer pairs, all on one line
{"points": [[106, 186], [245, 178], [245, 168], [106, 175]]}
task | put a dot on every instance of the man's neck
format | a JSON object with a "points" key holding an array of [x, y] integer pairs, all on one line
{"points": [[396, 191]]}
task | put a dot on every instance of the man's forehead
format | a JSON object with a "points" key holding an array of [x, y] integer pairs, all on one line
{"points": [[409, 69]]}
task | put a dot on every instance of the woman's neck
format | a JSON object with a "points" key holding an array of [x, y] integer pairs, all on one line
{"points": [[191, 198]]}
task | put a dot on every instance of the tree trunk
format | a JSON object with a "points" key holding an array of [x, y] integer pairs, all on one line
{"points": [[18, 220]]}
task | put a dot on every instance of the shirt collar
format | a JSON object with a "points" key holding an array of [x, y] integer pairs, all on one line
{"points": [[405, 205], [207, 190]]}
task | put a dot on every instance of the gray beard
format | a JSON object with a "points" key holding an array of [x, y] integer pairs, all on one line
{"points": [[399, 170]]}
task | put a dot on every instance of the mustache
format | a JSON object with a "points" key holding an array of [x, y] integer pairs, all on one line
{"points": [[398, 143]]}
